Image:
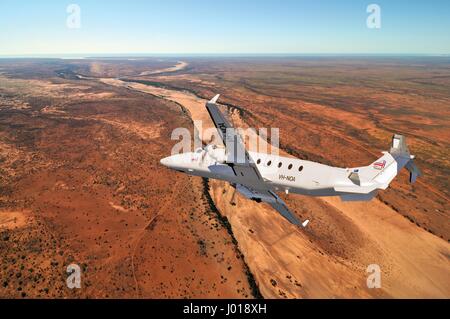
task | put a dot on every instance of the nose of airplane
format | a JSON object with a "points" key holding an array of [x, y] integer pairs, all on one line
{"points": [[165, 161]]}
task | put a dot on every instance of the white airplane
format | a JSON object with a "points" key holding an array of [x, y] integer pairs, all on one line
{"points": [[258, 176]]}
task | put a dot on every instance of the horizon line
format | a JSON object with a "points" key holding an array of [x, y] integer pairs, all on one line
{"points": [[254, 54]]}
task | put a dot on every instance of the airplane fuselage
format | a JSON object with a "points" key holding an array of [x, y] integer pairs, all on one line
{"points": [[280, 173]]}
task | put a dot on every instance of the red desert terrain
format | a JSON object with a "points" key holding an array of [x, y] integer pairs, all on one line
{"points": [[80, 179]]}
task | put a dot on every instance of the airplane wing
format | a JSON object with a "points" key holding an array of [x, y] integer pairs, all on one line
{"points": [[237, 156], [244, 167], [286, 213], [273, 200]]}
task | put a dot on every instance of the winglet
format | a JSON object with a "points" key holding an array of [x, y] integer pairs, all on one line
{"points": [[214, 99]]}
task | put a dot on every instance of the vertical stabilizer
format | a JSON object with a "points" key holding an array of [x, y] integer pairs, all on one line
{"points": [[399, 150]]}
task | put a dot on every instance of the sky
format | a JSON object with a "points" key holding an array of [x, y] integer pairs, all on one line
{"points": [[223, 27]]}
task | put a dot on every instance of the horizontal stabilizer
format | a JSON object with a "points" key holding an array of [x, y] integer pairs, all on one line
{"points": [[414, 171]]}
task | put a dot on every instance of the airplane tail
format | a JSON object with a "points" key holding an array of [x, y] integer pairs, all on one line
{"points": [[400, 152], [378, 175]]}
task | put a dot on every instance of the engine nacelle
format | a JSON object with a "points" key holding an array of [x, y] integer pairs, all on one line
{"points": [[216, 153]]}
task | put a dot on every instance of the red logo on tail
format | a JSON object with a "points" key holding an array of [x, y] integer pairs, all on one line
{"points": [[379, 165]]}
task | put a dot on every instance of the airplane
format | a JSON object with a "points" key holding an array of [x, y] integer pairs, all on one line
{"points": [[259, 176]]}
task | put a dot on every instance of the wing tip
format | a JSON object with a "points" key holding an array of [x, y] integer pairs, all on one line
{"points": [[214, 99]]}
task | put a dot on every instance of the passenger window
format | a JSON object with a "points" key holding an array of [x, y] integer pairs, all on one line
{"points": [[300, 168], [269, 163], [279, 164], [258, 161], [290, 166]]}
